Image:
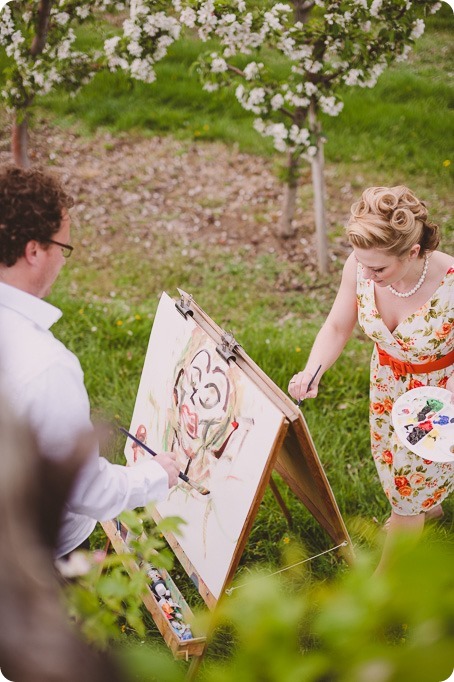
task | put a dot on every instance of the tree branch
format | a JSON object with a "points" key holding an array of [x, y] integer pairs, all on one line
{"points": [[302, 9], [40, 38]]}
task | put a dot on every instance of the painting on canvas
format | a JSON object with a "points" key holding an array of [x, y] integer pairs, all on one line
{"points": [[220, 425]]}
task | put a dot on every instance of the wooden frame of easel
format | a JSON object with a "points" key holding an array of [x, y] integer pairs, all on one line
{"points": [[293, 457]]}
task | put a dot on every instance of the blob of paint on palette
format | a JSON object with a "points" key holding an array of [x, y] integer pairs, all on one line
{"points": [[424, 422]]}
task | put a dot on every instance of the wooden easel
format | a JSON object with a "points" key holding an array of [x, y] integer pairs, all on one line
{"points": [[293, 457]]}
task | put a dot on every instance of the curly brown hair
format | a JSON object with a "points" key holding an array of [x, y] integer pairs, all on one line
{"points": [[31, 207]]}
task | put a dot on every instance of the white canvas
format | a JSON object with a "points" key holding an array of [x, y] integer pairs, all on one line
{"points": [[192, 402]]}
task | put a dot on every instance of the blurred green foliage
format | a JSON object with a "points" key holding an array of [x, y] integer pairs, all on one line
{"points": [[396, 627]]}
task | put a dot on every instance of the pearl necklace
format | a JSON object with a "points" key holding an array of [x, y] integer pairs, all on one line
{"points": [[417, 285]]}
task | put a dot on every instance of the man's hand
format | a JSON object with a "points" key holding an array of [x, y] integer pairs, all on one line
{"points": [[168, 462]]}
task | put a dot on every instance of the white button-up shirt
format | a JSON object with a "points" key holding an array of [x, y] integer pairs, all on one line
{"points": [[44, 384]]}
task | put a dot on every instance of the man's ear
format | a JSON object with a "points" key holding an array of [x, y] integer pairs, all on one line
{"points": [[31, 252]]}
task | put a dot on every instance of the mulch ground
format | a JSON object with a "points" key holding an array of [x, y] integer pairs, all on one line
{"points": [[192, 192]]}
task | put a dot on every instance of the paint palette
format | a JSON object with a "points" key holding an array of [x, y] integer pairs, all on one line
{"points": [[424, 422]]}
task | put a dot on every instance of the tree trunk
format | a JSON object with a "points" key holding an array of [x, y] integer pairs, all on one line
{"points": [[39, 41], [286, 228], [302, 9], [318, 182], [19, 141], [19, 132]]}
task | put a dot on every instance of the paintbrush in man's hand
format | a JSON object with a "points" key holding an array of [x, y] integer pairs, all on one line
{"points": [[197, 486]]}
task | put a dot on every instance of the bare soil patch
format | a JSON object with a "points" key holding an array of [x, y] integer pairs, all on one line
{"points": [[135, 188]]}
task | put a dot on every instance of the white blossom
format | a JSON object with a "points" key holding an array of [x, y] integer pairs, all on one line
{"points": [[259, 125], [188, 17], [206, 18], [17, 38], [312, 66], [279, 133], [300, 136], [330, 106], [353, 76], [418, 29], [83, 11], [375, 8], [142, 70], [276, 102], [403, 56], [62, 18], [296, 100], [310, 88], [110, 45], [218, 65], [134, 49], [252, 70], [239, 92]]}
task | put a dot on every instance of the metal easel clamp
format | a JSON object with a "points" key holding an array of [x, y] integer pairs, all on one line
{"points": [[226, 348], [184, 306]]}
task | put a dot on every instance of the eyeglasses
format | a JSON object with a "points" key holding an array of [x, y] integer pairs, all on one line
{"points": [[66, 249]]}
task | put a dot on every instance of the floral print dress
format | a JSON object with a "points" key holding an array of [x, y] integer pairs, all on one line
{"points": [[411, 484]]}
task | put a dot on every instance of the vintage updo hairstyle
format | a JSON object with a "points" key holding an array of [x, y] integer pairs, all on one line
{"points": [[391, 219]]}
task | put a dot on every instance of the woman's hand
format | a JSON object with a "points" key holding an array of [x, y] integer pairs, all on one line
{"points": [[299, 383]]}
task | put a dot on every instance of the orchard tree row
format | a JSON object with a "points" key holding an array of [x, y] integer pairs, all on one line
{"points": [[325, 45]]}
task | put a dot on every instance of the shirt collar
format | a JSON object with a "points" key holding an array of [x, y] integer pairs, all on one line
{"points": [[38, 311]]}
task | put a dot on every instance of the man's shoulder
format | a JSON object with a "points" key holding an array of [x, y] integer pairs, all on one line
{"points": [[27, 350]]}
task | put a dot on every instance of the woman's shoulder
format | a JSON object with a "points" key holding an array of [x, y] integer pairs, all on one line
{"points": [[441, 262], [350, 266], [351, 262]]}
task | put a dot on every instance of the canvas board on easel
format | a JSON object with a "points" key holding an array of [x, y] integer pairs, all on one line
{"points": [[224, 431]]}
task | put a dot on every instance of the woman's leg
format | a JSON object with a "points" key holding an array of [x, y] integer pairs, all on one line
{"points": [[398, 525], [433, 513]]}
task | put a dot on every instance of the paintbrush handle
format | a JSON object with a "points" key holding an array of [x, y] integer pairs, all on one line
{"points": [[313, 378], [139, 442], [152, 452], [309, 384]]}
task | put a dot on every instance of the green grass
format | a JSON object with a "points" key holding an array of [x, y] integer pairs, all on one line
{"points": [[175, 104]]}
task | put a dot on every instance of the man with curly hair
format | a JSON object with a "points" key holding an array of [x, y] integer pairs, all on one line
{"points": [[41, 377]]}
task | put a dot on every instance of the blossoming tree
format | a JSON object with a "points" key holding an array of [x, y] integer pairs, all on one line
{"points": [[39, 40], [147, 34], [328, 45]]}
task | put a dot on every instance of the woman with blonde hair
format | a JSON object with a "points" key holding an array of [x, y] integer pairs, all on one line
{"points": [[400, 288]]}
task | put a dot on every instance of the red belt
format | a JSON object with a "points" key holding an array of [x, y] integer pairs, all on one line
{"points": [[401, 368]]}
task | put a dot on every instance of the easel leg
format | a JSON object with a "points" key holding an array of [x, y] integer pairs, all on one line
{"points": [[194, 667], [280, 501]]}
